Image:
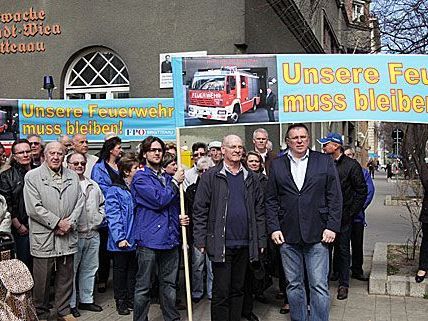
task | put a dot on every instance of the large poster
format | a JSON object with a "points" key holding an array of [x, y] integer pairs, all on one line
{"points": [[215, 90], [353, 87], [130, 119]]}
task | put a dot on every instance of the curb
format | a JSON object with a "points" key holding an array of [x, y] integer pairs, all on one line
{"points": [[381, 283]]}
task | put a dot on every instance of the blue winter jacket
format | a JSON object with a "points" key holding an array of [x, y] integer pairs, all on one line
{"points": [[157, 208], [361, 216], [119, 208], [101, 176]]}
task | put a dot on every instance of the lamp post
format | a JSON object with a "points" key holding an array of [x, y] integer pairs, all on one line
{"points": [[48, 84]]}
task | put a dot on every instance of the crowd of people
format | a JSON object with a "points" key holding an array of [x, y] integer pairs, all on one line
{"points": [[250, 215]]}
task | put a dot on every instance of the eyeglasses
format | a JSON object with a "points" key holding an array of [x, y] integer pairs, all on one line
{"points": [[35, 143], [77, 163], [198, 154], [22, 152], [154, 150]]}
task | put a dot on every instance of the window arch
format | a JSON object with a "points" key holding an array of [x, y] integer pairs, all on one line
{"points": [[97, 73]]}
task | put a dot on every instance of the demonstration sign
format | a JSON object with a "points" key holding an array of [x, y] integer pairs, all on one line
{"points": [[131, 119], [300, 88]]}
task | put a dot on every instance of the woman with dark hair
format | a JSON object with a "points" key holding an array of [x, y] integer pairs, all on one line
{"points": [[105, 172], [169, 163], [11, 187], [120, 217]]}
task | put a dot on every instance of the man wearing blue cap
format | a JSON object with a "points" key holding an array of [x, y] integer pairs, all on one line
{"points": [[354, 193]]}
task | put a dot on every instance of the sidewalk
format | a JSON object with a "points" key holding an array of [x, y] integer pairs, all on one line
{"points": [[385, 223]]}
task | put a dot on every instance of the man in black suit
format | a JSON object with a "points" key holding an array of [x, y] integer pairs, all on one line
{"points": [[303, 212], [270, 104]]}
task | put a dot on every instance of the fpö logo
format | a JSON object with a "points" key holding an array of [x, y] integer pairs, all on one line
{"points": [[149, 132]]}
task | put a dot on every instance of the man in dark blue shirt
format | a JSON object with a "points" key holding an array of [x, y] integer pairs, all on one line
{"points": [[229, 224]]}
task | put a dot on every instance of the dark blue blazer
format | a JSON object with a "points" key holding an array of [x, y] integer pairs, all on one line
{"points": [[303, 215]]}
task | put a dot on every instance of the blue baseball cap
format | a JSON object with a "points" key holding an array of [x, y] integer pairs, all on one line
{"points": [[331, 137]]}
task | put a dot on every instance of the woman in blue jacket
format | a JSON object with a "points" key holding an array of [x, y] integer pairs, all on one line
{"points": [[119, 209], [105, 173]]}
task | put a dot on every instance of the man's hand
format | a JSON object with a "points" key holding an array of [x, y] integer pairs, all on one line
{"points": [[328, 236], [23, 230], [277, 237], [184, 220], [64, 225], [179, 176], [202, 249], [123, 244]]}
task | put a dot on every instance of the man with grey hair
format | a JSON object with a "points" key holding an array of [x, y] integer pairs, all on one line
{"points": [[80, 145], [229, 225], [36, 144], [260, 142], [54, 202]]}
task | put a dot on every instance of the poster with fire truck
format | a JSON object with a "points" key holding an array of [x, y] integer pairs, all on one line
{"points": [[226, 90]]}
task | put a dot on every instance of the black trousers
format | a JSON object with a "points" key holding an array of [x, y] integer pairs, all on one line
{"points": [[124, 273], [423, 255], [357, 242], [228, 285], [104, 257]]}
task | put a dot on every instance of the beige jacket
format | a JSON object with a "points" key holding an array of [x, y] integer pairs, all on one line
{"points": [[46, 204]]}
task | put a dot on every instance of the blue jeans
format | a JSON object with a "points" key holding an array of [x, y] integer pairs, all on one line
{"points": [[85, 267], [198, 263], [316, 257], [167, 264]]}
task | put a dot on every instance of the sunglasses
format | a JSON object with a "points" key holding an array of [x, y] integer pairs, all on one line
{"points": [[198, 154], [77, 163], [35, 143]]}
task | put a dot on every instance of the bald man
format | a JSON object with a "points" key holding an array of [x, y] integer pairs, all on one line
{"points": [[229, 224], [54, 202], [80, 145]]}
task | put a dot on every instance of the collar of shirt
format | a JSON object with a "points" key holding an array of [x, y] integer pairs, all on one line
{"points": [[339, 158], [294, 159], [55, 175], [227, 169]]}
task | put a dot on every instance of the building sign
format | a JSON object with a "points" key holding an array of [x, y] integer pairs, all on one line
{"points": [[23, 31], [130, 119]]}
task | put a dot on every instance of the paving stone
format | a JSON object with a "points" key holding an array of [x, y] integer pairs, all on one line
{"points": [[398, 285], [418, 290]]}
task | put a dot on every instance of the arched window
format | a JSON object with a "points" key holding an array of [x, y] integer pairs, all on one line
{"points": [[97, 73]]}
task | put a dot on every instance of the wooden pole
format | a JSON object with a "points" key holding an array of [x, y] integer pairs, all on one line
{"points": [[184, 236]]}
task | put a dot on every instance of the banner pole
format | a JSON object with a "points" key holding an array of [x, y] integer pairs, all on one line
{"points": [[184, 236]]}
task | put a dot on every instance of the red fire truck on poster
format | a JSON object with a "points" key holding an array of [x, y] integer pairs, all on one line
{"points": [[223, 94]]}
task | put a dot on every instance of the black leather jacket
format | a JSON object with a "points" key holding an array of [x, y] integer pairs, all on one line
{"points": [[11, 187], [354, 187]]}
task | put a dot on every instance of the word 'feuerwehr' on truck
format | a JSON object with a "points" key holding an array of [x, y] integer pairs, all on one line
{"points": [[223, 94]]}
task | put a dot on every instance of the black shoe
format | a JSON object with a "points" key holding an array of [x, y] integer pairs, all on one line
{"points": [[102, 287], [122, 307], [420, 278], [90, 307], [342, 293], [75, 312], [262, 299], [251, 317], [359, 277], [284, 310]]}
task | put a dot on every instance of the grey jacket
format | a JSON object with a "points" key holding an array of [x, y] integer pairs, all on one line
{"points": [[5, 221], [93, 211], [46, 204]]}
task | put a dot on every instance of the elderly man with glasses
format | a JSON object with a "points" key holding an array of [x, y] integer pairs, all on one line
{"points": [[191, 175], [36, 144]]}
